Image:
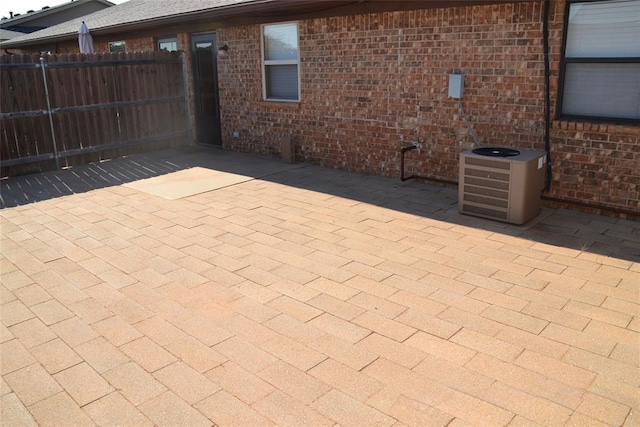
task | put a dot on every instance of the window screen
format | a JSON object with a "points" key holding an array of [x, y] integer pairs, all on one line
{"points": [[601, 65], [281, 62], [169, 44]]}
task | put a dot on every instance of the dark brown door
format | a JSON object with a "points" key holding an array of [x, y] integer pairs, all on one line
{"points": [[205, 78]]}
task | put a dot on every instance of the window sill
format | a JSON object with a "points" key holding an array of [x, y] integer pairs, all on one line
{"points": [[284, 101], [596, 127], [593, 122], [281, 103]]}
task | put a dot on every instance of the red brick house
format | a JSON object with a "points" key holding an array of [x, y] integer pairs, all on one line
{"points": [[351, 82]]}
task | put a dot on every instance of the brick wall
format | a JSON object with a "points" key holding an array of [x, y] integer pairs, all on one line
{"points": [[373, 83], [597, 164]]}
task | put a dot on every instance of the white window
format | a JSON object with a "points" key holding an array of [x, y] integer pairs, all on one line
{"points": [[601, 64], [117, 46], [169, 44], [281, 62]]}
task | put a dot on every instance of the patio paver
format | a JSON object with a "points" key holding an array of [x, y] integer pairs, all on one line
{"points": [[277, 294]]}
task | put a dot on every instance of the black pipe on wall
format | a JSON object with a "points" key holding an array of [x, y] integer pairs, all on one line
{"points": [[403, 178], [547, 94]]}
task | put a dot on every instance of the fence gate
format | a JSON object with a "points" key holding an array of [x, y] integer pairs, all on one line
{"points": [[66, 109]]}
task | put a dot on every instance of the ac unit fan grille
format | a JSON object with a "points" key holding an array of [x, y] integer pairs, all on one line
{"points": [[484, 191], [498, 176], [485, 212], [498, 203], [485, 163], [486, 184], [480, 182]]}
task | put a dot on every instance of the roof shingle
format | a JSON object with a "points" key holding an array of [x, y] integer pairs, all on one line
{"points": [[121, 15]]}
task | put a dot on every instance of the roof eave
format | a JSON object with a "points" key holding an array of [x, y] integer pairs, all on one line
{"points": [[216, 13], [225, 12]]}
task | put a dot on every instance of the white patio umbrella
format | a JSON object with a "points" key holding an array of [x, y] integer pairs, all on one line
{"points": [[84, 39]]}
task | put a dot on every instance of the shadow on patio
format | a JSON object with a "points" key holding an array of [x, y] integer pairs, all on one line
{"points": [[185, 172]]}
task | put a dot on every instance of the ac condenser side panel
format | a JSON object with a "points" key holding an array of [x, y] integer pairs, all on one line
{"points": [[528, 179]]}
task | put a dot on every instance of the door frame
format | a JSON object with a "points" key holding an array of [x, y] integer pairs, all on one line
{"points": [[214, 134]]}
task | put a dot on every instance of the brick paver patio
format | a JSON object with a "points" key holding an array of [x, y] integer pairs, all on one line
{"points": [[198, 287]]}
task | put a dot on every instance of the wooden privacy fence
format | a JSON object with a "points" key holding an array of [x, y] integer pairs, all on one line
{"points": [[66, 109]]}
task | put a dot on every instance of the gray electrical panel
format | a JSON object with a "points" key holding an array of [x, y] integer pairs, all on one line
{"points": [[456, 84]]}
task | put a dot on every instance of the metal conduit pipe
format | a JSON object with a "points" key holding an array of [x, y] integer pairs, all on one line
{"points": [[425, 178]]}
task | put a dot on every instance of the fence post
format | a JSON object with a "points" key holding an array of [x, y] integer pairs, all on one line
{"points": [[50, 113], [187, 103]]}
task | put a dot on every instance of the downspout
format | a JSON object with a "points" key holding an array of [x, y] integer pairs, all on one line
{"points": [[547, 93]]}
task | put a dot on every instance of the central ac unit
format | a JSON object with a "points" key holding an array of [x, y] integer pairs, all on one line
{"points": [[501, 183]]}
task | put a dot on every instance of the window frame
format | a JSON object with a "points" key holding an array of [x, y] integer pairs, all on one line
{"points": [[266, 63], [171, 39], [112, 44], [565, 61]]}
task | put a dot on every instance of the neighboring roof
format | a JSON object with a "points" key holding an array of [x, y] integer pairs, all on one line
{"points": [[8, 34], [124, 15], [141, 14], [24, 19]]}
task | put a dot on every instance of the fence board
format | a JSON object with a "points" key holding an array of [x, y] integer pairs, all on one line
{"points": [[32, 136], [102, 106]]}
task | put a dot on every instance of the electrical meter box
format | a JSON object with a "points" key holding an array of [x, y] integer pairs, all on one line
{"points": [[456, 84]]}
